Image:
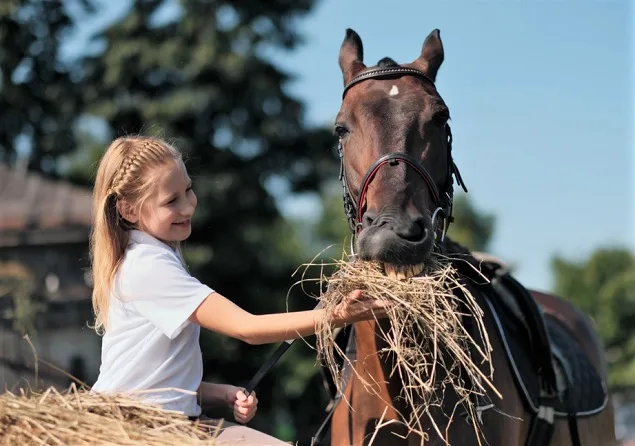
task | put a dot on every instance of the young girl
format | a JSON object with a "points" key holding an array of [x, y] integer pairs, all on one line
{"points": [[150, 309]]}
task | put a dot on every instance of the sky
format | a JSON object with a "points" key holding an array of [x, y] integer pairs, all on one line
{"points": [[541, 97]]}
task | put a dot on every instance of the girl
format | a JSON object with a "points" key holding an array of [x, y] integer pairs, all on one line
{"points": [[150, 309]]}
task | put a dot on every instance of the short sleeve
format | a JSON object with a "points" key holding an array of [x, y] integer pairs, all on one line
{"points": [[159, 288]]}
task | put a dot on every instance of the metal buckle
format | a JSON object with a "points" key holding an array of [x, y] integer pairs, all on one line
{"points": [[435, 223]]}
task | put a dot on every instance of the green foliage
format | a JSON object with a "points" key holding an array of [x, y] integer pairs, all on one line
{"points": [[603, 285], [471, 228], [40, 97]]}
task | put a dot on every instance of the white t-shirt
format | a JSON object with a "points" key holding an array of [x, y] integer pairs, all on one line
{"points": [[149, 343]]}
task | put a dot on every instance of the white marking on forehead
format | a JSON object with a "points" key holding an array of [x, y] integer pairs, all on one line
{"points": [[394, 91]]}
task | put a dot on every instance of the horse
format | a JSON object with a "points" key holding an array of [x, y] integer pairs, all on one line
{"points": [[398, 176]]}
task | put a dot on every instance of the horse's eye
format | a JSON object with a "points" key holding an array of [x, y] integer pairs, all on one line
{"points": [[441, 118], [340, 131]]}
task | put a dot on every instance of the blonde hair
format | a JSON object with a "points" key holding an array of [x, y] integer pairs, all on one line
{"points": [[125, 173]]}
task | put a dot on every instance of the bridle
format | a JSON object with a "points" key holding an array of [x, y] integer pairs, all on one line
{"points": [[354, 209], [442, 199]]}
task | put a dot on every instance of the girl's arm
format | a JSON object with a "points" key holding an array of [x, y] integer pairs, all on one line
{"points": [[216, 395], [219, 314]]}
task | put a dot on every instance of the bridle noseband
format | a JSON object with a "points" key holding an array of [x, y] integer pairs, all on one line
{"points": [[443, 201]]}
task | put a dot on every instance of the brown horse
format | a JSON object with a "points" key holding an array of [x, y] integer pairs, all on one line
{"points": [[398, 176]]}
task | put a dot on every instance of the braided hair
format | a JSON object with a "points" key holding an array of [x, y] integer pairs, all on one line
{"points": [[125, 177]]}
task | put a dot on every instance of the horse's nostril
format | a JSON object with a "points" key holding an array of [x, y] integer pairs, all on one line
{"points": [[397, 222], [421, 229], [415, 231], [369, 219]]}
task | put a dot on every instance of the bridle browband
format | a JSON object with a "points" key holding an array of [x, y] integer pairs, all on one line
{"points": [[442, 199]]}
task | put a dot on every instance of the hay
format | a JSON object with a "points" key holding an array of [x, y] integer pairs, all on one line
{"points": [[77, 417], [427, 341]]}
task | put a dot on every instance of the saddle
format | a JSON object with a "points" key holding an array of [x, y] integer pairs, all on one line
{"points": [[531, 346], [551, 370]]}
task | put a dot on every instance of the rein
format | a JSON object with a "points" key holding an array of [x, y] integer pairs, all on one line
{"points": [[354, 209]]}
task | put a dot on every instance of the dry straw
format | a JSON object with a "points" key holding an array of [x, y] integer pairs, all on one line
{"points": [[426, 340], [78, 417]]}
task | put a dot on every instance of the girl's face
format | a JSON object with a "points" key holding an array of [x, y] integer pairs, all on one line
{"points": [[166, 214]]}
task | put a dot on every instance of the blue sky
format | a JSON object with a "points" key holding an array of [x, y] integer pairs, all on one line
{"points": [[541, 96]]}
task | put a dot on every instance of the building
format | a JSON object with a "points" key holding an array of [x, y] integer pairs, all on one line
{"points": [[44, 281]]}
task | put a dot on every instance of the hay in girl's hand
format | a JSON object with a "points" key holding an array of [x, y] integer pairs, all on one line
{"points": [[424, 333], [78, 417]]}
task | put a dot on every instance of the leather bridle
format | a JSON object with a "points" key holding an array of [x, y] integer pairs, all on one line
{"points": [[442, 199]]}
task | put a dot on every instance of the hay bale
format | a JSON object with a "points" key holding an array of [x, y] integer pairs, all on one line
{"points": [[77, 417], [427, 339]]}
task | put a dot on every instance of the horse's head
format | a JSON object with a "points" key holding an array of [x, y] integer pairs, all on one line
{"points": [[395, 144]]}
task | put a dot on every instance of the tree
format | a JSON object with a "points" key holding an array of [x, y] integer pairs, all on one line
{"points": [[40, 96], [603, 286], [198, 78], [472, 228]]}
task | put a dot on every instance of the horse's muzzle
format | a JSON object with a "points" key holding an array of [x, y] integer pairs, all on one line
{"points": [[393, 237]]}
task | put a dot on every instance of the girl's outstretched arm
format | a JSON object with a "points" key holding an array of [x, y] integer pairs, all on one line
{"points": [[219, 314]]}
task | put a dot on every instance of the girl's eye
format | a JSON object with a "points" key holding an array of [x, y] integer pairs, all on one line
{"points": [[173, 200]]}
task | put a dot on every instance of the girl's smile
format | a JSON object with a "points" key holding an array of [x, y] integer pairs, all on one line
{"points": [[183, 224], [167, 213]]}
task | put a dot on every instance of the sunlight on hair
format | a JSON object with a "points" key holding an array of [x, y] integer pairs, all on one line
{"points": [[125, 177]]}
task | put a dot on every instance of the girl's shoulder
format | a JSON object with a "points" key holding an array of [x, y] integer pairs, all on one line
{"points": [[146, 258], [151, 272]]}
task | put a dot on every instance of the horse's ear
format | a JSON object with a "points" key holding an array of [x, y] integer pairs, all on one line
{"points": [[431, 56], [351, 55]]}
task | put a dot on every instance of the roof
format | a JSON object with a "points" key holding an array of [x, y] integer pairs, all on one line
{"points": [[36, 210]]}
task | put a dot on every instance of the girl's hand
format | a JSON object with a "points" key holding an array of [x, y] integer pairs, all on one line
{"points": [[356, 307], [244, 407]]}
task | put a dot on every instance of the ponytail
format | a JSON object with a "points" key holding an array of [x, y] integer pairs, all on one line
{"points": [[124, 174], [108, 243]]}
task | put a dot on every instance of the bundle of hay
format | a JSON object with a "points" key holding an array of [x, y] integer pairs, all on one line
{"points": [[77, 417], [427, 340]]}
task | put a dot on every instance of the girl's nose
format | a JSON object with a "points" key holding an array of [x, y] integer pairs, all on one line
{"points": [[188, 209]]}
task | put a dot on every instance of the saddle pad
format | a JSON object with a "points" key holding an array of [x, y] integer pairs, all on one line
{"points": [[587, 393]]}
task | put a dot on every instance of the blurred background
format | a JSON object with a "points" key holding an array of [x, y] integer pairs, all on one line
{"points": [[541, 98]]}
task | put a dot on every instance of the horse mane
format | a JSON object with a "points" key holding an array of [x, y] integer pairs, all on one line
{"points": [[387, 62], [450, 246]]}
